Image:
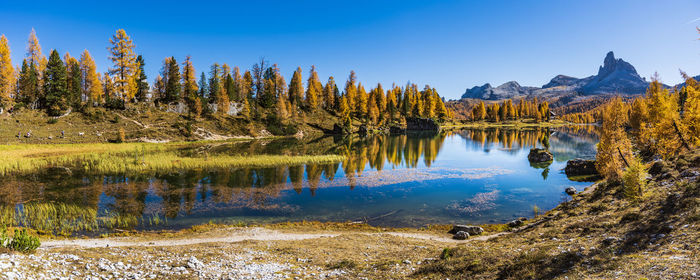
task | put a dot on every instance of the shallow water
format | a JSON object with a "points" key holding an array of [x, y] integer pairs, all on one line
{"points": [[462, 176]]}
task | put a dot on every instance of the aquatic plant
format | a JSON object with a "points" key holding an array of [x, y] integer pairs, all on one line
{"points": [[21, 241]]}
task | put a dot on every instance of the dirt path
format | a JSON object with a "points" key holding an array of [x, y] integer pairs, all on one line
{"points": [[237, 235]]}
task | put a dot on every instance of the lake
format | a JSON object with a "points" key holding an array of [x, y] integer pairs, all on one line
{"points": [[471, 176]]}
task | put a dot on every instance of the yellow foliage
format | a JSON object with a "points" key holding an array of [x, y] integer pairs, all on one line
{"points": [[91, 79], [659, 132], [614, 146], [7, 73], [691, 113]]}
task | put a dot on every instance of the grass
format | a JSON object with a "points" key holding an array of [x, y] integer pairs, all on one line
{"points": [[134, 158], [66, 219]]}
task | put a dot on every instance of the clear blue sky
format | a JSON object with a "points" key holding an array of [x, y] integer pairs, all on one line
{"points": [[450, 45]]}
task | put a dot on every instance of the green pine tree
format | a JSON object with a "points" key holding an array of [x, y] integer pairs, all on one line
{"points": [[55, 85]]}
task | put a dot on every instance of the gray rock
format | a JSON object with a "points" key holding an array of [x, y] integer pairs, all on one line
{"points": [[570, 191], [690, 173], [578, 167], [461, 235], [539, 155], [472, 230]]}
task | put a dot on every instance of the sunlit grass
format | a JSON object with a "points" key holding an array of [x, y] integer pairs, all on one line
{"points": [[134, 158], [65, 219]]}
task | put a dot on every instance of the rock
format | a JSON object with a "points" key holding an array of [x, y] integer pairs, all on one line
{"points": [[396, 129], [461, 235], [422, 124], [570, 191], [472, 230], [690, 173], [194, 263], [515, 223], [578, 167], [657, 167], [539, 155]]}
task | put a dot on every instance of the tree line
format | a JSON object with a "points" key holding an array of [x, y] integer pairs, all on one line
{"points": [[60, 84], [663, 122], [507, 110]]}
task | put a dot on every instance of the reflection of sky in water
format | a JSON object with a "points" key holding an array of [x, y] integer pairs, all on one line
{"points": [[461, 177], [468, 182]]}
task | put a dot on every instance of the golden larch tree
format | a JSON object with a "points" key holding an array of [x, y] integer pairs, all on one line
{"points": [[125, 69], [614, 148], [691, 112], [91, 87], [661, 134], [7, 73]]}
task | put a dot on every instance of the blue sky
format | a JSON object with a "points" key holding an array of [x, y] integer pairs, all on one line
{"points": [[450, 45]]}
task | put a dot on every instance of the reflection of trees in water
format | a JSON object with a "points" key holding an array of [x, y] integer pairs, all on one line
{"points": [[507, 139], [188, 192]]}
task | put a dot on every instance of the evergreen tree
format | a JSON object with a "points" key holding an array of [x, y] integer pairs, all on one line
{"points": [[92, 89], [7, 74], [28, 86], [55, 85], [172, 85], [124, 70], [203, 86], [141, 80], [74, 81], [237, 84]]}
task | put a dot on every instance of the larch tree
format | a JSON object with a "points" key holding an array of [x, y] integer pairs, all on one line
{"points": [[661, 135], [247, 86], [34, 55], [614, 148], [190, 91], [55, 85], [141, 80], [361, 101], [91, 86], [124, 69], [329, 94], [314, 88], [7, 74], [296, 89], [351, 91], [237, 83], [108, 86], [691, 112]]}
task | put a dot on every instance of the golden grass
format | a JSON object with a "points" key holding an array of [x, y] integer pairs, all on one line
{"points": [[134, 157]]}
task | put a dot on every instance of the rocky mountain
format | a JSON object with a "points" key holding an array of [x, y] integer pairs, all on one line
{"points": [[615, 76]]}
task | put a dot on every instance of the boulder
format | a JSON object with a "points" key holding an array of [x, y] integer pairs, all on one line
{"points": [[471, 230], [461, 235], [422, 124], [580, 167], [516, 223], [395, 129], [539, 155], [657, 167], [570, 191]]}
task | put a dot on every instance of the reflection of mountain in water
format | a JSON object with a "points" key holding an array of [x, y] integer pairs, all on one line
{"points": [[573, 142]]}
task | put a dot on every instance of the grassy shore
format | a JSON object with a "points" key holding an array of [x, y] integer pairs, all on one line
{"points": [[103, 158]]}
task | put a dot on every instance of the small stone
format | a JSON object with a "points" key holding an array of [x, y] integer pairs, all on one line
{"points": [[461, 235], [570, 191]]}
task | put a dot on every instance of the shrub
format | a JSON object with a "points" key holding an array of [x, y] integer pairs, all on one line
{"points": [[446, 254], [52, 121], [122, 135], [21, 241], [634, 179]]}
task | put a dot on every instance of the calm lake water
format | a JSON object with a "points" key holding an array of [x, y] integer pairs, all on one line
{"points": [[461, 176]]}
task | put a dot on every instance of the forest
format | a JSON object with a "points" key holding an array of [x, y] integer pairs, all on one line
{"points": [[60, 85]]}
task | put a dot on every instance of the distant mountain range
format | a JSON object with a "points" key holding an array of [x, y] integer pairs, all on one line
{"points": [[616, 76]]}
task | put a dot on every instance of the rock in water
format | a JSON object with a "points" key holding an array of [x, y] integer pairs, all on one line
{"points": [[570, 191], [461, 235], [471, 230], [578, 167], [539, 155]]}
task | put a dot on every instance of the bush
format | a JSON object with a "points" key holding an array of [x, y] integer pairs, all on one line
{"points": [[52, 121], [21, 241], [634, 179]]}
